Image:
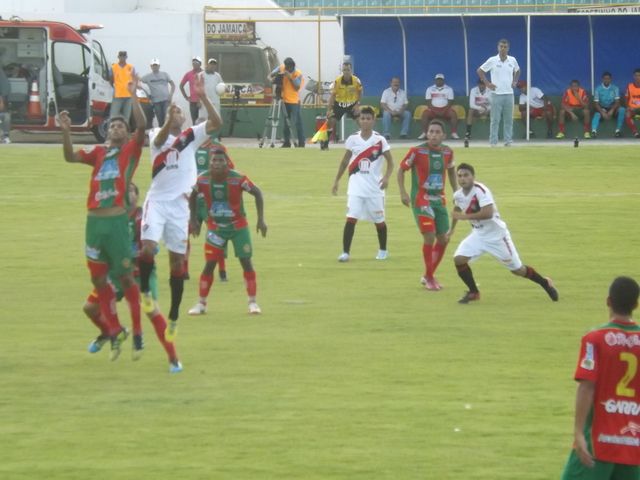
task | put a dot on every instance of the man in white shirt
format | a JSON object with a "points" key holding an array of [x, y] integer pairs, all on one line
{"points": [[479, 105], [439, 100], [539, 106], [489, 234], [505, 73], [365, 195], [166, 209], [394, 104], [211, 80]]}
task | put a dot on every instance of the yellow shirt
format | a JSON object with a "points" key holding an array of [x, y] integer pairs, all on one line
{"points": [[121, 78], [346, 94]]}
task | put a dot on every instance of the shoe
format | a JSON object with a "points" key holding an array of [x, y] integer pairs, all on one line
{"points": [[198, 309], [469, 297], [148, 305], [422, 136], [551, 290], [299, 145], [171, 332], [324, 145], [594, 134], [223, 275], [423, 281], [455, 136], [286, 145], [382, 255], [116, 344], [560, 135], [138, 347], [549, 133], [618, 134], [637, 134], [254, 309], [432, 284], [344, 257], [587, 135], [6, 140], [387, 137], [98, 343], [175, 366], [467, 135]]}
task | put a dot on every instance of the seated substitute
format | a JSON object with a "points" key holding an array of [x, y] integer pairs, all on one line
{"points": [[439, 100], [345, 98], [479, 105], [539, 106], [632, 98], [606, 102], [574, 101], [394, 104]]}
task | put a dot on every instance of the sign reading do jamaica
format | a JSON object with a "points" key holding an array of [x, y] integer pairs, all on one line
{"points": [[236, 32]]}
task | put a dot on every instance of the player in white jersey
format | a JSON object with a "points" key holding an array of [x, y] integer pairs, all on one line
{"points": [[363, 157], [489, 234], [166, 208]]}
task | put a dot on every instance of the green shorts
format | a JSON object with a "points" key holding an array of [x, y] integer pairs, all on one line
{"points": [[575, 470], [217, 241], [432, 218], [107, 241]]}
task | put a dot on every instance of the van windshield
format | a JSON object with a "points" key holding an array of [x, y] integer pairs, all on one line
{"points": [[242, 66]]}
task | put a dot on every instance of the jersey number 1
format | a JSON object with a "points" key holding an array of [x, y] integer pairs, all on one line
{"points": [[622, 389]]}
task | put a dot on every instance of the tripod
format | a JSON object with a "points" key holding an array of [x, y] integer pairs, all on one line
{"points": [[273, 119]]}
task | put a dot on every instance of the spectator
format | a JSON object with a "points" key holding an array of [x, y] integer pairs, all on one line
{"points": [[479, 105], [606, 102], [121, 74], [292, 81], [211, 80], [539, 106], [394, 104], [345, 98], [191, 77], [439, 100], [505, 73], [161, 91], [574, 101], [633, 102]]}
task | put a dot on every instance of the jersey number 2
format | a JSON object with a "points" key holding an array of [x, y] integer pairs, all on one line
{"points": [[622, 389]]}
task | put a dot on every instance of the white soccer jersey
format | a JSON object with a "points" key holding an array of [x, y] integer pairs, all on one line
{"points": [[439, 96], [365, 165], [478, 197], [173, 165], [535, 95], [479, 100]]}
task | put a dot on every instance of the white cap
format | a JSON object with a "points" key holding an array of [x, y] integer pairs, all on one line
{"points": [[212, 60], [439, 75], [197, 59], [155, 61]]}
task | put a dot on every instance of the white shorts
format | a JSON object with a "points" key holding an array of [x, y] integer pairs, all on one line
{"points": [[366, 208], [501, 248], [167, 220]]}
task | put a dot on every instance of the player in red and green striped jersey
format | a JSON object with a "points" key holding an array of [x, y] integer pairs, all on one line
{"points": [[606, 427], [222, 189], [108, 248], [429, 164]]}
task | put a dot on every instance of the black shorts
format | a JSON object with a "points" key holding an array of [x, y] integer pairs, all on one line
{"points": [[339, 110]]}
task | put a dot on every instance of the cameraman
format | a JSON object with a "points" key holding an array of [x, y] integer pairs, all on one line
{"points": [[287, 78]]}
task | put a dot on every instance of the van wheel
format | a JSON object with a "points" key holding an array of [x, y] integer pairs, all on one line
{"points": [[100, 131]]}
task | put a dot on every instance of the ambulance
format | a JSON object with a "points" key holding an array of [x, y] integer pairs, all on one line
{"points": [[50, 67]]}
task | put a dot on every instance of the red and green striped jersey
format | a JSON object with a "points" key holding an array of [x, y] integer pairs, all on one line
{"points": [[428, 167], [113, 168], [609, 358], [224, 200]]}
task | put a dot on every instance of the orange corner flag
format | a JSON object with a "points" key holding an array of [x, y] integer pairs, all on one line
{"points": [[321, 135]]}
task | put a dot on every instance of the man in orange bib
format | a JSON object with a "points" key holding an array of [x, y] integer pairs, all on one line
{"points": [[574, 101]]}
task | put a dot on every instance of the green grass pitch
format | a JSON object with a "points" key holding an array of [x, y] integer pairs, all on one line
{"points": [[353, 371]]}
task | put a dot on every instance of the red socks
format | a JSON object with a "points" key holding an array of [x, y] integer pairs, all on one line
{"points": [[132, 295], [206, 281], [159, 325], [427, 255], [250, 283], [438, 254], [107, 300]]}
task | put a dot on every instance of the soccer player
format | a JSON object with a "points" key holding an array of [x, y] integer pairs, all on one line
{"points": [[574, 101], [108, 248], [632, 98], [473, 201], [222, 190], [166, 208], [606, 102], [608, 395], [345, 98], [429, 164], [91, 307], [365, 194]]}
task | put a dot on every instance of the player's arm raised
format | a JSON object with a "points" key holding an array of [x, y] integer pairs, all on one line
{"points": [[257, 195], [139, 117], [404, 196], [384, 182], [163, 133], [584, 403], [341, 168], [67, 145]]}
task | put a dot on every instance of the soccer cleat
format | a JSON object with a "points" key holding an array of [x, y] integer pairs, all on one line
{"points": [[587, 135], [594, 134], [198, 309], [175, 366], [551, 290], [432, 284], [560, 135], [96, 345], [254, 309], [455, 136], [344, 257], [223, 275], [382, 255], [618, 134], [116, 344], [138, 347], [148, 305], [422, 136], [171, 332], [467, 135], [469, 297]]}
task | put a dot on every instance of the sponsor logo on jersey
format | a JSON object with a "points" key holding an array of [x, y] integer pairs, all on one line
{"points": [[588, 362], [632, 428], [105, 194], [622, 407], [215, 239], [619, 440], [620, 339], [108, 170]]}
